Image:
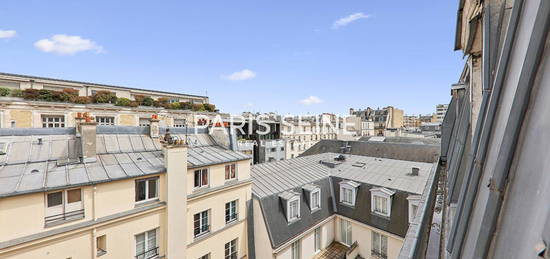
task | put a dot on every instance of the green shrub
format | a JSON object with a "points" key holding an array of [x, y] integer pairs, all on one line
{"points": [[209, 107], [174, 106], [123, 102], [4, 91], [31, 94], [80, 99], [17, 93], [60, 96], [198, 107], [104, 97], [147, 101], [70, 92], [186, 106], [163, 102]]}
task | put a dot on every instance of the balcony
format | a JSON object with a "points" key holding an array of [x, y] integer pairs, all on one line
{"points": [[63, 217], [151, 253]]}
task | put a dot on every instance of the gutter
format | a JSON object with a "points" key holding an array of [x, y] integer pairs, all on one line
{"points": [[512, 132]]}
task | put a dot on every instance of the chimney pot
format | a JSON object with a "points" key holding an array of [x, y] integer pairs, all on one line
{"points": [[414, 171], [154, 128], [88, 141]]}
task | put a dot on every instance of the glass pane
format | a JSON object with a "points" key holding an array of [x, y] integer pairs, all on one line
{"points": [[384, 245], [55, 199], [205, 177], [233, 170], [197, 178], [74, 195], [152, 188], [140, 190], [151, 239], [140, 244]]}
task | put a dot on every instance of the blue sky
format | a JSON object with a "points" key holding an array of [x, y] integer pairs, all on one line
{"points": [[286, 56]]}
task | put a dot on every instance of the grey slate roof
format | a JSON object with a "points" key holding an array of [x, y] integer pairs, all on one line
{"points": [[279, 176], [28, 166], [275, 180]]}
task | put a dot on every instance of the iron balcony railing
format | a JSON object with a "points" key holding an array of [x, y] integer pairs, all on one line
{"points": [[151, 253], [76, 214], [378, 255]]}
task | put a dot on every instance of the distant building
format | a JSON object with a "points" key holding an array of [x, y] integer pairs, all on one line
{"points": [[383, 119], [265, 139], [302, 134], [440, 111]]}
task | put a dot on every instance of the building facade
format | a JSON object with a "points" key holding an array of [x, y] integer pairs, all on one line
{"points": [[34, 102], [325, 206], [440, 111], [387, 119]]}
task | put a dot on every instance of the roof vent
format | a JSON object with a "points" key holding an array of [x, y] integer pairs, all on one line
{"points": [[34, 171], [340, 158], [414, 171], [359, 164]]}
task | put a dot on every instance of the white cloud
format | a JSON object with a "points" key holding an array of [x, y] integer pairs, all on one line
{"points": [[244, 74], [349, 19], [67, 45], [311, 100], [7, 34]]}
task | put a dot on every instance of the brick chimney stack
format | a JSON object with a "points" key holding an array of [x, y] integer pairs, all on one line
{"points": [[87, 129]]}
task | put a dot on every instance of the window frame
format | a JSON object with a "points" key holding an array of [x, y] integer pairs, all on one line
{"points": [[346, 232], [378, 252], [311, 195], [232, 171], [413, 200], [296, 249], [317, 235], [62, 122], [353, 192], [100, 120], [233, 248], [101, 245], [65, 208], [201, 186], [179, 124], [202, 230], [295, 199], [382, 193], [228, 217], [144, 119], [146, 243], [147, 180]]}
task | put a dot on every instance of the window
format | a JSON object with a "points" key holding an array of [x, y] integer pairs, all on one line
{"points": [[201, 226], [146, 245], [296, 249], [101, 245], [379, 245], [63, 205], [317, 239], [315, 200], [105, 120], [206, 256], [146, 189], [414, 200], [347, 195], [282, 148], [380, 205], [144, 122], [201, 178], [179, 123], [381, 201], [231, 211], [231, 249], [53, 121], [230, 172], [293, 209], [345, 231], [273, 149]]}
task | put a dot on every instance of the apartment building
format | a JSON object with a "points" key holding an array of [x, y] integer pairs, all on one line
{"points": [[261, 138], [332, 205], [440, 111], [386, 119], [299, 135], [33, 102], [120, 192]]}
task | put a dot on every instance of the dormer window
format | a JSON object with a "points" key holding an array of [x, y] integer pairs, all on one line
{"points": [[414, 200], [348, 192], [313, 196], [291, 204], [381, 201]]}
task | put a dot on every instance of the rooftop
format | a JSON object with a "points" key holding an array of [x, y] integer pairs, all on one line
{"points": [[35, 162], [280, 176]]}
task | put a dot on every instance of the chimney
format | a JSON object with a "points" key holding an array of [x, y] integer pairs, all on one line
{"points": [[414, 171], [87, 132], [175, 162], [154, 127]]}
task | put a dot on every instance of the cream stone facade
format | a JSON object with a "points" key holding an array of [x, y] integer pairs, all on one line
{"points": [[301, 135]]}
